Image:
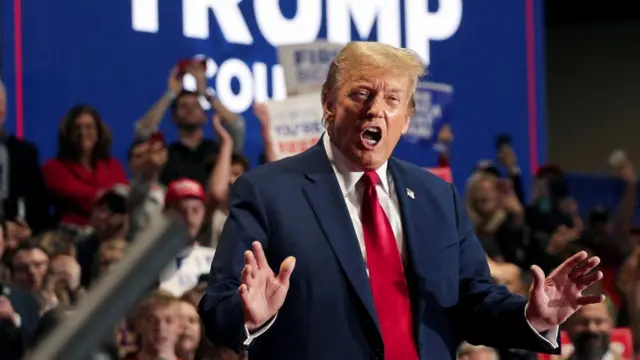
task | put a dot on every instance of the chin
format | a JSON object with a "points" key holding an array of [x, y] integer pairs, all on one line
{"points": [[368, 160]]}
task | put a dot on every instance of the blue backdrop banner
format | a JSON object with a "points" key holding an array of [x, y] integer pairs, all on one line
{"points": [[116, 56]]}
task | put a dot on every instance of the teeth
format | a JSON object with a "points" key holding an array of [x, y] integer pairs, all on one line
{"points": [[371, 142]]}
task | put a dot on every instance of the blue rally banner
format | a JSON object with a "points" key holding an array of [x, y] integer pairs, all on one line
{"points": [[116, 56], [432, 118]]}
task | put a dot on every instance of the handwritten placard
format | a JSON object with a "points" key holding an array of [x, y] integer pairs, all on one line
{"points": [[305, 66]]}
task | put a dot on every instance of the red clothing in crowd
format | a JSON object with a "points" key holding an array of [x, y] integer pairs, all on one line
{"points": [[75, 188]]}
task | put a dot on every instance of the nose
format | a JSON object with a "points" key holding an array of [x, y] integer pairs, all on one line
{"points": [[376, 107]]}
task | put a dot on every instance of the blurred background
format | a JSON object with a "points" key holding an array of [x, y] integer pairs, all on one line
{"points": [[113, 113]]}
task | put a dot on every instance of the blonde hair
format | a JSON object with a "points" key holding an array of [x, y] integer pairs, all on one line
{"points": [[359, 55], [472, 183], [467, 349], [158, 298]]}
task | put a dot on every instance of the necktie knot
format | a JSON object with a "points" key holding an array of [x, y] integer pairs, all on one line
{"points": [[370, 179]]}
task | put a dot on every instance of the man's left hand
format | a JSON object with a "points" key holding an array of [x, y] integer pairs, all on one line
{"points": [[554, 299]]}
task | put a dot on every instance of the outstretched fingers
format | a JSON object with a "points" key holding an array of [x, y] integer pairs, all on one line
{"points": [[260, 257], [570, 264], [590, 299], [250, 271], [588, 280], [584, 267], [286, 268]]}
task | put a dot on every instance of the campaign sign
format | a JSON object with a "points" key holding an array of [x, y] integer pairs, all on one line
{"points": [[433, 112], [305, 66], [296, 124]]}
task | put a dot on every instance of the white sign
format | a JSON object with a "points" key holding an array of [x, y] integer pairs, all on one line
{"points": [[305, 66], [296, 124], [183, 272]]}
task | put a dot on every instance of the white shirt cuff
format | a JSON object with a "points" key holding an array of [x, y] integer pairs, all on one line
{"points": [[550, 336], [250, 337]]}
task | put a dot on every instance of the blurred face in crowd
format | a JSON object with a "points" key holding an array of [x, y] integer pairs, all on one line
{"points": [[3, 104], [237, 169], [485, 196], [86, 129], [589, 330], [367, 113], [109, 217], [189, 114], [66, 270], [511, 277], [29, 268], [159, 328], [190, 321], [109, 254], [193, 212]]}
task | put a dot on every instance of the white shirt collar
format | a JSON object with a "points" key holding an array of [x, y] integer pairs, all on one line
{"points": [[348, 179]]}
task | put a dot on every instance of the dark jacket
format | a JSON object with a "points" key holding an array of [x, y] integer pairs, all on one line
{"points": [[14, 339], [26, 183]]}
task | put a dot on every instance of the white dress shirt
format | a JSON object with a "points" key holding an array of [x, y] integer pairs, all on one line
{"points": [[388, 198]]}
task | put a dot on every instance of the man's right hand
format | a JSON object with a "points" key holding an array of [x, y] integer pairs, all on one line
{"points": [[263, 292]]}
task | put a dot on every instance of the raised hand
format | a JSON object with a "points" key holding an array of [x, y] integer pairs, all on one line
{"points": [[554, 299], [174, 82], [262, 113], [263, 292], [225, 137]]}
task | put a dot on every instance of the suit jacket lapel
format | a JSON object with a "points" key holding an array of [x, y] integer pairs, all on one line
{"points": [[324, 195], [413, 224]]}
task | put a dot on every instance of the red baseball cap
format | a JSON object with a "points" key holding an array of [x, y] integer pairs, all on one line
{"points": [[183, 188]]}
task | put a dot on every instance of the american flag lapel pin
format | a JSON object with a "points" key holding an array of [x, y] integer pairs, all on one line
{"points": [[411, 194]]}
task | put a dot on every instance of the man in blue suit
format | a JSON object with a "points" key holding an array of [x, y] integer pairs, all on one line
{"points": [[387, 264]]}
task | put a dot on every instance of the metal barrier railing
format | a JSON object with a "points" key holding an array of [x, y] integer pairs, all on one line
{"points": [[82, 332]]}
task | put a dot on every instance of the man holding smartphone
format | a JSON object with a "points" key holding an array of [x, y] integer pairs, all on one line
{"points": [[192, 156]]}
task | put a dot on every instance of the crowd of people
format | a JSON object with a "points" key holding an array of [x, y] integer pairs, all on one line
{"points": [[67, 222]]}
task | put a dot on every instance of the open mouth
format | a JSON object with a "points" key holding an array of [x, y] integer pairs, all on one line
{"points": [[371, 136]]}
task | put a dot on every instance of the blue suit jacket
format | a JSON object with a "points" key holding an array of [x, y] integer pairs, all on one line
{"points": [[295, 207]]}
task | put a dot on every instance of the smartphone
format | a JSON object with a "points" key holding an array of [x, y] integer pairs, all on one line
{"points": [[503, 140], [157, 137], [183, 64]]}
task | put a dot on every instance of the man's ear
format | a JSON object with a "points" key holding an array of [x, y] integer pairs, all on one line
{"points": [[328, 106], [410, 112], [405, 127]]}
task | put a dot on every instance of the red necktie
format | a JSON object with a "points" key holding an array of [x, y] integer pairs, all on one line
{"points": [[386, 274]]}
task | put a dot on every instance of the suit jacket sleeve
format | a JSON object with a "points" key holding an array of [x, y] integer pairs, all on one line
{"points": [[221, 308], [38, 201], [487, 313]]}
